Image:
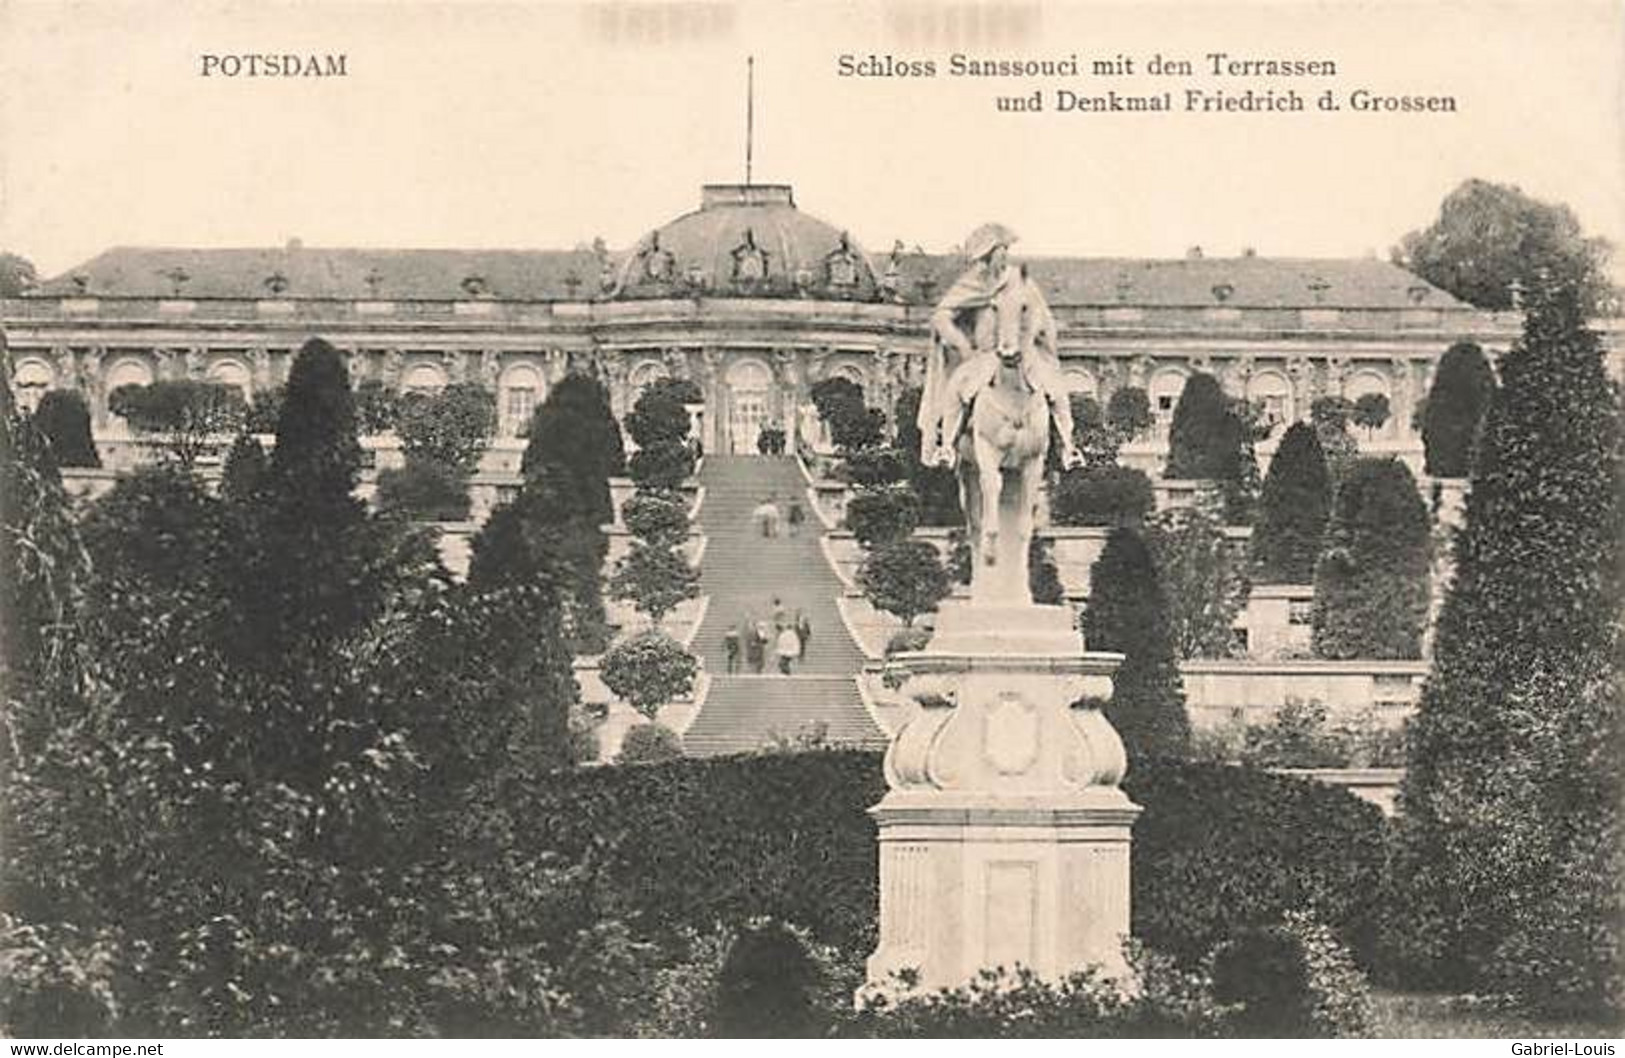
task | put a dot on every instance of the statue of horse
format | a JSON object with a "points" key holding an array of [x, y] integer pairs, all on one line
{"points": [[1001, 437]]}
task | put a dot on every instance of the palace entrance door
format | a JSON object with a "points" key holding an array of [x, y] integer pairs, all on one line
{"points": [[750, 388]]}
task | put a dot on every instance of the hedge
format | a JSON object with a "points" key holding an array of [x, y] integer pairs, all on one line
{"points": [[693, 842]]}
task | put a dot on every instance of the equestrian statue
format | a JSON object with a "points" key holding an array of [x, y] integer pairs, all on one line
{"points": [[993, 383]]}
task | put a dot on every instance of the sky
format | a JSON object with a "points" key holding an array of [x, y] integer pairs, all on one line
{"points": [[544, 125]]}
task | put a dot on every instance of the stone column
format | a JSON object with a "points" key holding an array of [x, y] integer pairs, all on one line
{"points": [[1004, 837]]}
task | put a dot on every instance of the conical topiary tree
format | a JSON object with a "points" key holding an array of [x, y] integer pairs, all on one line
{"points": [[1371, 583], [1296, 502], [1128, 612], [1463, 386], [64, 421], [1531, 616], [1200, 437]]}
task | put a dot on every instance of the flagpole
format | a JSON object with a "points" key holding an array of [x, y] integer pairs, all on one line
{"points": [[750, 111]]}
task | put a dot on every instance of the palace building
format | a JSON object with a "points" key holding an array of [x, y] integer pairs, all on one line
{"points": [[749, 296]]}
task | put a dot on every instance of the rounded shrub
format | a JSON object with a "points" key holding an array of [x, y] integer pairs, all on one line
{"points": [[648, 670], [661, 466], [905, 578], [65, 421], [881, 516], [658, 517], [768, 987], [1101, 495], [1292, 980], [873, 467], [649, 744]]}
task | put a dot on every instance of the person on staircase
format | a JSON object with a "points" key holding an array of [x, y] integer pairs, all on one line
{"points": [[730, 647], [762, 639], [797, 516], [755, 645], [788, 648], [803, 630]]}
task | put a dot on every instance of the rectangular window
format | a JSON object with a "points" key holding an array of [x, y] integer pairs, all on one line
{"points": [[1300, 612], [1240, 641], [521, 402]]}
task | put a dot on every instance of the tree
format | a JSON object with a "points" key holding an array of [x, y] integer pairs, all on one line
{"points": [[883, 515], [1211, 440], [573, 448], [423, 490], [936, 486], [64, 421], [852, 425], [448, 428], [1203, 578], [377, 407], [904, 577], [1528, 628], [1453, 415], [17, 275], [1128, 411], [574, 437], [648, 670], [1491, 242], [1128, 612], [1331, 417], [1043, 575], [1297, 501], [188, 415], [1371, 411], [657, 517], [1199, 437], [1371, 583], [655, 579], [245, 469]]}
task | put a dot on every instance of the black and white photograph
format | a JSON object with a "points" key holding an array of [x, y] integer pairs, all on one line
{"points": [[835, 519]]}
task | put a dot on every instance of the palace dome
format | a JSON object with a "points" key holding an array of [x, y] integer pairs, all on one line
{"points": [[747, 240]]}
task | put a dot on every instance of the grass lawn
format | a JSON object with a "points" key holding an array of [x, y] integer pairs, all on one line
{"points": [[1403, 1015]]}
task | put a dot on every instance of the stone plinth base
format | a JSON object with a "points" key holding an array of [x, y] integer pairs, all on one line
{"points": [[971, 882], [1004, 838]]}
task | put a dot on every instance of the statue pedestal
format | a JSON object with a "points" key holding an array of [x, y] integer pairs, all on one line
{"points": [[1004, 838]]}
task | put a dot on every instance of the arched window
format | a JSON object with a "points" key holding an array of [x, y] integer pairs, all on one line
{"points": [[34, 377], [1079, 382], [849, 371], [423, 378], [1371, 383], [521, 389], [643, 374], [234, 374], [750, 407], [1271, 391]]}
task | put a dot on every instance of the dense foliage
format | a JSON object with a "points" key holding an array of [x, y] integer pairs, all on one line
{"points": [[284, 709], [1492, 243], [1204, 579], [1453, 416], [936, 486], [448, 428], [1510, 834], [64, 421], [188, 416], [1128, 410], [1331, 417], [852, 424], [1292, 980], [1296, 503], [1372, 580], [1128, 612], [424, 490], [1101, 496], [657, 517]]}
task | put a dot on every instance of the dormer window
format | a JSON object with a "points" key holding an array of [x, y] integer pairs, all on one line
{"points": [[750, 260], [1222, 292], [1418, 293], [475, 286], [842, 264], [276, 283], [177, 277], [1318, 287]]}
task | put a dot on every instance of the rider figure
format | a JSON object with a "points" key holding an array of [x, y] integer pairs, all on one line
{"points": [[964, 324]]}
